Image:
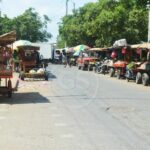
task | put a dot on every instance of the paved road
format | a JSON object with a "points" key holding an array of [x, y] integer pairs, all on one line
{"points": [[76, 110]]}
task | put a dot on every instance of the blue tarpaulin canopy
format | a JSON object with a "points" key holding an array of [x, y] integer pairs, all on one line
{"points": [[77, 53]]}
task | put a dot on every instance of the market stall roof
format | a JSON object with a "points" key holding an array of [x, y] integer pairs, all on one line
{"points": [[7, 38], [143, 45], [134, 46], [32, 47], [98, 49], [26, 45]]}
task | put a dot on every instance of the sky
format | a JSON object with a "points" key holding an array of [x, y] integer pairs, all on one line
{"points": [[55, 9]]}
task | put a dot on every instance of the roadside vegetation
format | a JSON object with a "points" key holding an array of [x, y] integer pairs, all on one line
{"points": [[100, 24], [29, 26]]}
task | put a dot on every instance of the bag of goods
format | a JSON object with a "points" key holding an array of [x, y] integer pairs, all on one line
{"points": [[121, 42], [131, 65], [113, 54], [124, 50], [32, 71], [41, 70]]}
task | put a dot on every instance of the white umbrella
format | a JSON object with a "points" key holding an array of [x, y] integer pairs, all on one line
{"points": [[25, 44], [21, 43]]}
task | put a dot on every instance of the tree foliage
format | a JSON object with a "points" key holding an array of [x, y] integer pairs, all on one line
{"points": [[29, 26], [101, 23]]}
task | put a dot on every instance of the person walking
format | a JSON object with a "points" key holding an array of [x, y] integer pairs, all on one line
{"points": [[68, 60]]}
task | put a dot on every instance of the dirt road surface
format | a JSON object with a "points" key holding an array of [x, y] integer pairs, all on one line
{"points": [[76, 110]]}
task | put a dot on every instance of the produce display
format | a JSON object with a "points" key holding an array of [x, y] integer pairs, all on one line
{"points": [[39, 71], [30, 64], [36, 73]]}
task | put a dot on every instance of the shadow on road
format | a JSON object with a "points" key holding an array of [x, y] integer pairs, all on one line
{"points": [[65, 96], [24, 98], [51, 75]]}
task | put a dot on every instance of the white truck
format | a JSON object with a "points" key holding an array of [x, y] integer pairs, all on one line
{"points": [[46, 51]]}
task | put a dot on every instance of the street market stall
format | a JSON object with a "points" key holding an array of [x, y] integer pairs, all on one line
{"points": [[101, 65], [29, 62], [6, 62], [142, 74]]}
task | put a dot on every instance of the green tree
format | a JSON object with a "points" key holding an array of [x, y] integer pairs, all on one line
{"points": [[29, 26], [136, 29], [6, 24], [75, 28], [100, 24]]}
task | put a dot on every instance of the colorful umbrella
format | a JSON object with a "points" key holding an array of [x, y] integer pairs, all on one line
{"points": [[81, 47]]}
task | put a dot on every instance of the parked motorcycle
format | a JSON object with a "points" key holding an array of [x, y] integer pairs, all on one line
{"points": [[131, 72], [130, 75], [101, 67], [97, 65]]}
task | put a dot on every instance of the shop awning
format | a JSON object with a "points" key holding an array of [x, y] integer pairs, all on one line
{"points": [[98, 49], [26, 45], [7, 38], [143, 45]]}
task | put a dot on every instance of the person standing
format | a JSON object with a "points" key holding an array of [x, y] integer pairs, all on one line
{"points": [[148, 55], [64, 58], [68, 60], [16, 60]]}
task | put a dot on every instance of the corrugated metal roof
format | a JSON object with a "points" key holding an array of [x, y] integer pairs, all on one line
{"points": [[98, 49], [7, 38], [143, 45]]}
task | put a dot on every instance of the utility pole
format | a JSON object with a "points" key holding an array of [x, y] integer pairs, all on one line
{"points": [[148, 6], [74, 7], [66, 15], [67, 7], [0, 9]]}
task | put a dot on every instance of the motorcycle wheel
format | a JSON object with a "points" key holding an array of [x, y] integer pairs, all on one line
{"points": [[99, 70], [111, 72], [118, 74], [145, 79], [138, 78]]}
